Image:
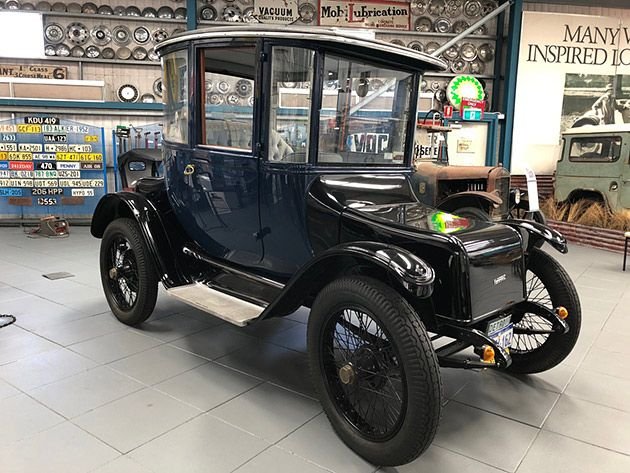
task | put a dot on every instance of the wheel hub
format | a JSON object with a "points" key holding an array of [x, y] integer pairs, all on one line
{"points": [[347, 375]]}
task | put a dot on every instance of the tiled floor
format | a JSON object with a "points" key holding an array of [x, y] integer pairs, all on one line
{"points": [[80, 392]]}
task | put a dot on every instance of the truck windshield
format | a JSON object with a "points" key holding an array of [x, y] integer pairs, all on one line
{"points": [[364, 113]]}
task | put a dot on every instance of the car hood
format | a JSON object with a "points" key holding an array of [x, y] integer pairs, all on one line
{"points": [[477, 236], [494, 251]]}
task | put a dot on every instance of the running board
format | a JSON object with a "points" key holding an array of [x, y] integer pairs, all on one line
{"points": [[217, 303]]}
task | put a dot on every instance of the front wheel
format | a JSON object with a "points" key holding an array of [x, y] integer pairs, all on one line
{"points": [[128, 273], [375, 370], [549, 285]]}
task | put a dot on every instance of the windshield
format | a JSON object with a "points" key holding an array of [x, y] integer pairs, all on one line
{"points": [[364, 113]]}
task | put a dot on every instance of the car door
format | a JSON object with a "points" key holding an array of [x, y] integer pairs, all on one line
{"points": [[218, 179], [285, 169]]}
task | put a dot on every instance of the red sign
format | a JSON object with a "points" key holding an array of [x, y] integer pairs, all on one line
{"points": [[448, 111], [20, 166], [472, 109]]}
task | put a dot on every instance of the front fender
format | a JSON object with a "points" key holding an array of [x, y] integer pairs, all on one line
{"points": [[407, 270], [537, 234], [143, 211]]}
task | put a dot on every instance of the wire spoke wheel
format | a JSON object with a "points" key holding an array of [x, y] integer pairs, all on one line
{"points": [[364, 374], [128, 274], [538, 294], [123, 273], [374, 369], [535, 345]]}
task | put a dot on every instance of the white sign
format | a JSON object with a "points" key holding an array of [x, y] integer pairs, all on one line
{"points": [[566, 64], [271, 11], [364, 14]]}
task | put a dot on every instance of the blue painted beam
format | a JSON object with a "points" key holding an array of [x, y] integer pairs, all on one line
{"points": [[511, 71], [191, 17]]}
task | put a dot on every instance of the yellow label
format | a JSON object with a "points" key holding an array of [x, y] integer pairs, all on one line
{"points": [[68, 156], [22, 128], [97, 157], [13, 156], [91, 138], [3, 155]]}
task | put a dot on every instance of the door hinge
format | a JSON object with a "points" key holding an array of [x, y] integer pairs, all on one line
{"points": [[264, 57]]}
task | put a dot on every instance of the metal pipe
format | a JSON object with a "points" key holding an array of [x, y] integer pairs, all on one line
{"points": [[472, 28]]}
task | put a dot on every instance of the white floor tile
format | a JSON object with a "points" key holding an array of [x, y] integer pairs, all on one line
{"points": [[129, 422], [64, 448]]}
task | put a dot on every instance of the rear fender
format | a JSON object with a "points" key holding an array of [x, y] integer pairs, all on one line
{"points": [[411, 275], [143, 211], [535, 234], [479, 199]]}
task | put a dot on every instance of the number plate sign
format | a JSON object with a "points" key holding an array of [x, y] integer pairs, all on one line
{"points": [[501, 331], [49, 165]]}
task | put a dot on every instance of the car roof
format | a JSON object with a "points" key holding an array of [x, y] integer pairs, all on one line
{"points": [[317, 35], [597, 129]]}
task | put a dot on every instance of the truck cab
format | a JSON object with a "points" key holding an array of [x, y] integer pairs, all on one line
{"points": [[595, 165]]}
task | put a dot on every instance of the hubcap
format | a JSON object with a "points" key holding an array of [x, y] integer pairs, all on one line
{"points": [[347, 374], [123, 275]]}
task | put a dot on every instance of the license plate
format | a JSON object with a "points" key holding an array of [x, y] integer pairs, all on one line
{"points": [[501, 331]]}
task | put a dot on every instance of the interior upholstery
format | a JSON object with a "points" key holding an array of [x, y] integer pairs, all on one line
{"points": [[279, 150]]}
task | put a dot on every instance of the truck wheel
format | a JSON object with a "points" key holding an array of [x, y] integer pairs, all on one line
{"points": [[472, 212], [375, 370], [548, 284], [128, 274]]}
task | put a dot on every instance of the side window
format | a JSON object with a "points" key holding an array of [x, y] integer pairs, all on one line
{"points": [[175, 85], [291, 80], [228, 96], [595, 149], [365, 113]]}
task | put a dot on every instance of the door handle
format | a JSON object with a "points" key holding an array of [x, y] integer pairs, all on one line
{"points": [[189, 169]]}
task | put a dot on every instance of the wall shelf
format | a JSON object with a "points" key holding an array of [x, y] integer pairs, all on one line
{"points": [[114, 17], [78, 104]]}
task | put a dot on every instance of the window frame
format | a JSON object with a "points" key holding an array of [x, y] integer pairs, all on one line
{"points": [[595, 139], [174, 50], [200, 95], [267, 84], [410, 127]]}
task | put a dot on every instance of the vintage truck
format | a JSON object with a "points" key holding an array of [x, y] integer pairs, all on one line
{"points": [[595, 165]]}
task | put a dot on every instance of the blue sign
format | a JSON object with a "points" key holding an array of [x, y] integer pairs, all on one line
{"points": [[50, 166], [8, 192]]}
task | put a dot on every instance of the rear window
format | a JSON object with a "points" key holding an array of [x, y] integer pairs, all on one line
{"points": [[595, 149]]}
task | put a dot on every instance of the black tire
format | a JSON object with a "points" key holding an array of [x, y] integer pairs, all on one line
{"points": [[548, 284], [472, 212], [400, 361], [123, 247]]}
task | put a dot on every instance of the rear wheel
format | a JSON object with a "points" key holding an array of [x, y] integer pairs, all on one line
{"points": [[549, 285], [375, 370], [128, 274]]}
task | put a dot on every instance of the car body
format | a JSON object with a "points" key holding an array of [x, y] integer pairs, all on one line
{"points": [[275, 198], [595, 165]]}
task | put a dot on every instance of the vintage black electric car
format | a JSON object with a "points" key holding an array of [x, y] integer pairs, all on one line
{"points": [[287, 156]]}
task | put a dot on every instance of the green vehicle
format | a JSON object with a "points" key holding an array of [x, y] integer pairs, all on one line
{"points": [[595, 165]]}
